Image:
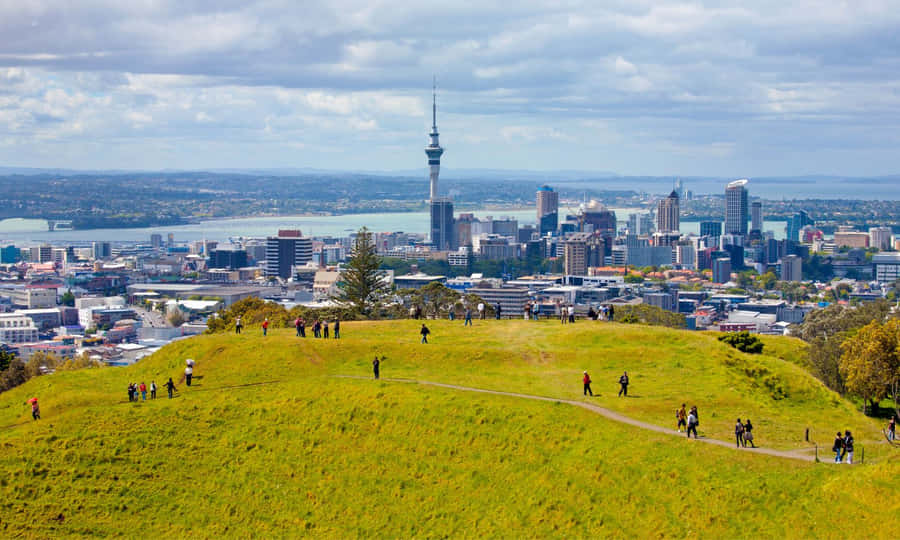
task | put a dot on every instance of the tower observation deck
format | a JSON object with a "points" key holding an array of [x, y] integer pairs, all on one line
{"points": [[434, 150]]}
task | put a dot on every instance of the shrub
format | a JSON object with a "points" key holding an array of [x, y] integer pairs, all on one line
{"points": [[743, 341]]}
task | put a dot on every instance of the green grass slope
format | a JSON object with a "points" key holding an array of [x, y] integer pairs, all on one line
{"points": [[270, 442]]}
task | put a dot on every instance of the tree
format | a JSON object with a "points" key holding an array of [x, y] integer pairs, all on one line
{"points": [[362, 284], [743, 341], [870, 362], [67, 299], [175, 318], [6, 359], [435, 299]]}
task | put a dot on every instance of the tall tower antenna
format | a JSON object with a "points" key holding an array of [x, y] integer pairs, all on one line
{"points": [[434, 103], [434, 150]]}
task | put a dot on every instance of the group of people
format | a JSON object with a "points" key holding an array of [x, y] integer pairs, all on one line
{"points": [[743, 433], [623, 384], [689, 420], [603, 313], [319, 328], [843, 447], [136, 390]]}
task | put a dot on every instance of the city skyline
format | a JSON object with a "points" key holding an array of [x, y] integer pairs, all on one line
{"points": [[642, 89]]}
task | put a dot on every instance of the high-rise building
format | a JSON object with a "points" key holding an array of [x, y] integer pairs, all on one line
{"points": [[711, 228], [668, 214], [547, 210], [434, 150], [756, 216], [101, 250], [736, 208], [442, 224], [721, 268], [583, 251], [170, 240], [41, 254], [290, 248], [796, 223], [880, 237], [791, 268], [597, 218], [156, 240]]}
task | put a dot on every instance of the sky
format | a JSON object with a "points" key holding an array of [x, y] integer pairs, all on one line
{"points": [[634, 87]]}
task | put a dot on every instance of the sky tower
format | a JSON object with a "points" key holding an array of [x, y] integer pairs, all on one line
{"points": [[434, 150]]}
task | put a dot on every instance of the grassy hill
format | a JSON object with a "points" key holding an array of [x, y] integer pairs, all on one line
{"points": [[270, 441]]}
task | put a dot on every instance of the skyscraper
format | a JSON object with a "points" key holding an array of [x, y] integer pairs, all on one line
{"points": [[668, 214], [547, 210], [756, 217], [441, 208], [711, 228], [290, 248], [791, 268], [796, 223], [736, 208]]}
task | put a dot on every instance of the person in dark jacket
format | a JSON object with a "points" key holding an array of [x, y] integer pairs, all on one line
{"points": [[623, 384], [170, 386], [337, 329], [324, 329], [739, 434], [748, 433], [376, 365], [838, 447], [848, 447], [424, 331], [302, 328]]}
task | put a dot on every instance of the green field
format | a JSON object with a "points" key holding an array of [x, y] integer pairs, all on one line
{"points": [[270, 441]]}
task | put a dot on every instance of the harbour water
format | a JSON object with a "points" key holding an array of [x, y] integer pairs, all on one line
{"points": [[34, 231]]}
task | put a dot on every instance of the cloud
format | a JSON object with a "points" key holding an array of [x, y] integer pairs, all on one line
{"points": [[707, 86]]}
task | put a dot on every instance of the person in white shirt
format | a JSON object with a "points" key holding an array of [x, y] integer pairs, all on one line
{"points": [[480, 310]]}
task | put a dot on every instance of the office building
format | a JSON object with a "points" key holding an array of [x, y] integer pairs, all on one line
{"points": [[101, 250], [851, 239], [796, 223], [156, 240], [290, 248], [230, 258], [547, 210], [442, 224], [880, 237], [10, 254], [668, 214], [639, 224], [721, 268], [736, 208], [791, 268], [41, 254], [598, 219], [756, 217], [711, 228], [583, 251], [661, 300], [17, 328], [505, 227], [887, 267]]}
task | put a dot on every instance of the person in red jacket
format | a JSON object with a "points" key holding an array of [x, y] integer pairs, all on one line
{"points": [[265, 326], [587, 384]]}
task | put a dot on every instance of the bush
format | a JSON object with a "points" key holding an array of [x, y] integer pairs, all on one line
{"points": [[743, 341]]}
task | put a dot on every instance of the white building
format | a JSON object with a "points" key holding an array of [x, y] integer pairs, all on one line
{"points": [[17, 328], [887, 267], [880, 237]]}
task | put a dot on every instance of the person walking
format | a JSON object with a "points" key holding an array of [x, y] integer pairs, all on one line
{"points": [[586, 379], [238, 326], [376, 365], [152, 389], [497, 310], [337, 329], [748, 434], [143, 389], [35, 409], [324, 329], [481, 310], [188, 374], [692, 422], [468, 321], [681, 416], [302, 328], [623, 384], [848, 447], [130, 392], [892, 429], [838, 447], [739, 433], [265, 326], [424, 331], [297, 325], [170, 386]]}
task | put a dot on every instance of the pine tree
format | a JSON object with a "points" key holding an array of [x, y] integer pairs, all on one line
{"points": [[362, 284]]}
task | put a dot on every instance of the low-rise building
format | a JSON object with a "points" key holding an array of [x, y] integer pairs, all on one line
{"points": [[17, 328]]}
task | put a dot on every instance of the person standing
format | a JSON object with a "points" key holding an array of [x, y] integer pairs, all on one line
{"points": [[586, 379], [238, 325], [170, 386], [572, 313], [526, 312], [892, 429], [623, 384], [152, 389], [297, 325], [563, 314], [609, 313], [302, 328], [337, 329], [130, 392], [265, 326], [692, 422], [848, 447], [748, 434], [838, 447], [325, 329], [317, 328], [143, 389], [468, 321], [739, 433], [497, 310], [35, 409], [376, 366], [188, 374], [681, 415], [481, 310], [451, 314], [424, 331], [536, 310]]}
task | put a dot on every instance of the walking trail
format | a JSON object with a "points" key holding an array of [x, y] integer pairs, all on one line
{"points": [[802, 455]]}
